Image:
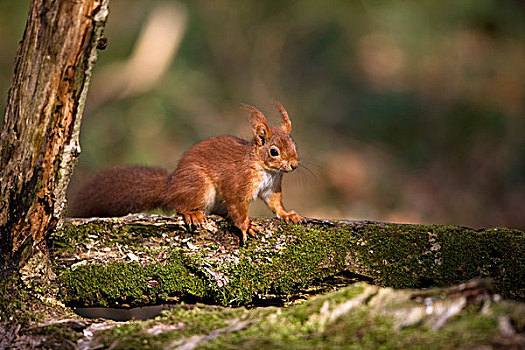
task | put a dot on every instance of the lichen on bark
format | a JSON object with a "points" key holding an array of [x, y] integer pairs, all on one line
{"points": [[158, 258]]}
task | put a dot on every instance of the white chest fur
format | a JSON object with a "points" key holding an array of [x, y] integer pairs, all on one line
{"points": [[268, 184]]}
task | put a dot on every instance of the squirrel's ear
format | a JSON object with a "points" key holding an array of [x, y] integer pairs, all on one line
{"points": [[261, 131], [287, 124]]}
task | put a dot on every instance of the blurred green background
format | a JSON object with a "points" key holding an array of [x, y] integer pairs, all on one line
{"points": [[407, 111]]}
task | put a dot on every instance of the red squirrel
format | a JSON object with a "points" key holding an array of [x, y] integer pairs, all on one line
{"points": [[220, 175]]}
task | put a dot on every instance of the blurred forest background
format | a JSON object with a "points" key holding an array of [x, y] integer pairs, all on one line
{"points": [[405, 111]]}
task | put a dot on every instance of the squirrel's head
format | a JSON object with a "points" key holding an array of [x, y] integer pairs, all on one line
{"points": [[274, 146]]}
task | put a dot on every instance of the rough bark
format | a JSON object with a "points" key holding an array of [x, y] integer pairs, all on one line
{"points": [[143, 260], [40, 133], [140, 260]]}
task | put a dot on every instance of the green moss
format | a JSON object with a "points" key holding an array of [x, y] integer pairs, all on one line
{"points": [[371, 323], [400, 256], [310, 254], [14, 301], [143, 231], [187, 321], [104, 284], [307, 255], [301, 313], [57, 333], [67, 239], [303, 260], [134, 336], [363, 327], [23, 306], [291, 259], [131, 283], [179, 276], [70, 235], [496, 253], [409, 256], [246, 280]]}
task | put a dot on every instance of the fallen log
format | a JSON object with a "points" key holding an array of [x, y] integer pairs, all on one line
{"points": [[142, 260], [465, 316]]}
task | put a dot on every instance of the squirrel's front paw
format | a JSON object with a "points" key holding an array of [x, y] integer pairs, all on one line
{"points": [[292, 216]]}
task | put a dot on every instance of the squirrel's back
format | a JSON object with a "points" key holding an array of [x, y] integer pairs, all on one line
{"points": [[208, 172], [119, 191]]}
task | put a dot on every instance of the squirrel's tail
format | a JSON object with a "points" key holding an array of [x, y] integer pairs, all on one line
{"points": [[119, 191]]}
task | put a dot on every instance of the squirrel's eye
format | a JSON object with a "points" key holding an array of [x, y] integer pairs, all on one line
{"points": [[274, 152]]}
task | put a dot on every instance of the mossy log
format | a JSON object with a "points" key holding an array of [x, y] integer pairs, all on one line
{"points": [[357, 317], [360, 316], [141, 260]]}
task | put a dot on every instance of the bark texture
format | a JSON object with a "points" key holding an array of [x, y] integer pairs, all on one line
{"points": [[144, 260], [40, 143], [160, 265]]}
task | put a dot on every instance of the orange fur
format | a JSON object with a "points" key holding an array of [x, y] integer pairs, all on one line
{"points": [[220, 175], [119, 191]]}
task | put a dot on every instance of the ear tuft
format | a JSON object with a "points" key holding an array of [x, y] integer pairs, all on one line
{"points": [[261, 131], [287, 124]]}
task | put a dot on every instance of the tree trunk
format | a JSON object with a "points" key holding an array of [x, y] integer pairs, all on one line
{"points": [[40, 134]]}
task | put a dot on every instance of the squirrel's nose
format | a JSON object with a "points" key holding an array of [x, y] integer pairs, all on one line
{"points": [[294, 166]]}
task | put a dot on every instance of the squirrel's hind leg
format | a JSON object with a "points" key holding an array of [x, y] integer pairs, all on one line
{"points": [[189, 192], [248, 227], [239, 215], [193, 217]]}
